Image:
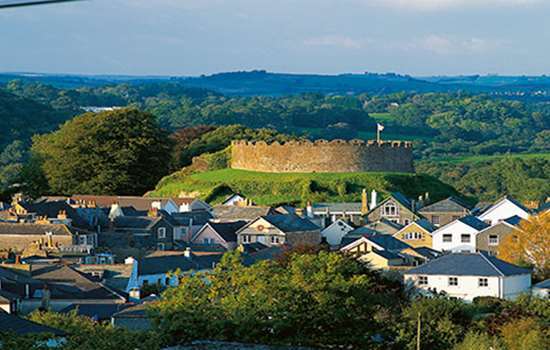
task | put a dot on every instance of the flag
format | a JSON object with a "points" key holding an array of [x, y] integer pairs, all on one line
{"points": [[379, 126]]}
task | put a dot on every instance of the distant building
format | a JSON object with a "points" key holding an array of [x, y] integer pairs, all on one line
{"points": [[445, 211], [470, 275], [503, 209], [223, 234], [396, 208], [458, 236], [228, 213], [417, 233], [278, 229]]}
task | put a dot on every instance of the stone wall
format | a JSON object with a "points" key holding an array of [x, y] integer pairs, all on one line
{"points": [[322, 156]]}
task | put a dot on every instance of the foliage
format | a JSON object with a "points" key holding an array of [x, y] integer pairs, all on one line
{"points": [[479, 341], [104, 153], [529, 245], [316, 299], [279, 188], [523, 178], [525, 334]]}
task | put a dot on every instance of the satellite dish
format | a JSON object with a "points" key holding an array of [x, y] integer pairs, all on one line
{"points": [[21, 3]]}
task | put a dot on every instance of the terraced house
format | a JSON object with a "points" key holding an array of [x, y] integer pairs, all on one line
{"points": [[279, 229]]}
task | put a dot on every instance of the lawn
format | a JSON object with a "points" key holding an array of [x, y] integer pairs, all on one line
{"points": [[483, 158]]}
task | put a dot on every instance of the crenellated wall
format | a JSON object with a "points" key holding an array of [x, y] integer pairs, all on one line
{"points": [[322, 156]]}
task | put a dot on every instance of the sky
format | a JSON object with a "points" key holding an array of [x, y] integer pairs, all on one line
{"points": [[194, 37]]}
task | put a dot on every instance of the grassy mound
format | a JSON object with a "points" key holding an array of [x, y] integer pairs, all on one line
{"points": [[297, 188]]}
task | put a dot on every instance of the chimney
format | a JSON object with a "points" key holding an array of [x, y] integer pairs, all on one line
{"points": [[153, 212], [27, 291], [18, 259], [309, 210], [427, 197], [62, 215], [420, 203], [135, 295], [187, 253], [364, 202], [373, 199]]}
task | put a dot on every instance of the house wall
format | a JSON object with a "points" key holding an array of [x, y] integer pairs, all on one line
{"points": [[20, 242], [403, 216], [426, 240], [515, 285], [444, 217], [467, 289], [334, 233], [456, 229], [501, 211], [482, 239], [261, 231], [379, 262]]}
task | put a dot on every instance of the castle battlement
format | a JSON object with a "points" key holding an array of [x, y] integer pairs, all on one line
{"points": [[322, 156]]}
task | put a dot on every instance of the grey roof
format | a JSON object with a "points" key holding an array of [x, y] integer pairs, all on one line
{"points": [[290, 223], [13, 324], [154, 265], [388, 242], [227, 230], [387, 254], [268, 253], [543, 285], [52, 209], [337, 207], [384, 226], [451, 204], [98, 312], [468, 264], [138, 222], [196, 217], [425, 224], [234, 213], [253, 247], [427, 252], [34, 229], [474, 222], [135, 311]]}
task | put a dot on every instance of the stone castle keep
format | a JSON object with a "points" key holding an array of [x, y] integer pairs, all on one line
{"points": [[322, 156]]}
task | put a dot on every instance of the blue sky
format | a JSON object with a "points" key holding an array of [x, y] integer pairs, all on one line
{"points": [[193, 37]]}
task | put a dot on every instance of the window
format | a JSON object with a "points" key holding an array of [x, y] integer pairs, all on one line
{"points": [[160, 246], [246, 239], [208, 241], [274, 240], [465, 238], [435, 220], [413, 235], [447, 238], [483, 282], [493, 240], [422, 280], [161, 232], [81, 239], [453, 281], [390, 209]]}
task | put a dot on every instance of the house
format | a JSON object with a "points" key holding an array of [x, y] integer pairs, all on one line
{"points": [[445, 211], [504, 208], [154, 231], [459, 235], [56, 212], [331, 212], [239, 200], [542, 289], [280, 229], [384, 226], [20, 326], [18, 236], [416, 234], [334, 233], [396, 208], [133, 318], [228, 213], [381, 251], [187, 224], [490, 238], [470, 275], [160, 268], [96, 312], [219, 233], [357, 233]]}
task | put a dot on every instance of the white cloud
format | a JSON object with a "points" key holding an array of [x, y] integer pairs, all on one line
{"points": [[446, 45], [335, 41], [431, 5]]}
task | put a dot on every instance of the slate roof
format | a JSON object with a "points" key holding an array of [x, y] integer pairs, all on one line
{"points": [[13, 324], [268, 253], [514, 220], [350, 207], [227, 230], [290, 223], [384, 226], [474, 222], [199, 217], [427, 252], [154, 265], [354, 235], [34, 229], [468, 264], [425, 224], [543, 285], [388, 242], [515, 202], [253, 247], [387, 254], [52, 209], [451, 204], [235, 213], [136, 311]]}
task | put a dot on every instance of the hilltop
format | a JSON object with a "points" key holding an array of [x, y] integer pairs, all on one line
{"points": [[278, 188]]}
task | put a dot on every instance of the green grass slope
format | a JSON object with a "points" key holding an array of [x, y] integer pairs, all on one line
{"points": [[297, 188]]}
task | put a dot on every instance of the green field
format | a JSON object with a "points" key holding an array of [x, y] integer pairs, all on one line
{"points": [[484, 158], [382, 117], [297, 188]]}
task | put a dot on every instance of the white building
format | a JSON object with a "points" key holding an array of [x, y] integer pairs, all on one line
{"points": [[459, 235], [467, 276], [503, 209], [334, 233]]}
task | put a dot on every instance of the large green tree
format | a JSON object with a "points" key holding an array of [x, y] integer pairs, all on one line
{"points": [[115, 152]]}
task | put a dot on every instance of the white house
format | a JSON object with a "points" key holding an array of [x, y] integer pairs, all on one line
{"points": [[459, 235], [470, 275], [503, 209], [334, 233]]}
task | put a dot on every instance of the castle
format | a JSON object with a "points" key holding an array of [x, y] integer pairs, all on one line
{"points": [[322, 156]]}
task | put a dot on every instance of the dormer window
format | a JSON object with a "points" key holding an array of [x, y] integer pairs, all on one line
{"points": [[161, 232]]}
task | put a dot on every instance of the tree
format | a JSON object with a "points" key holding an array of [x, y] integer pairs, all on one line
{"points": [[314, 299], [525, 334], [530, 244], [479, 341], [115, 152]]}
